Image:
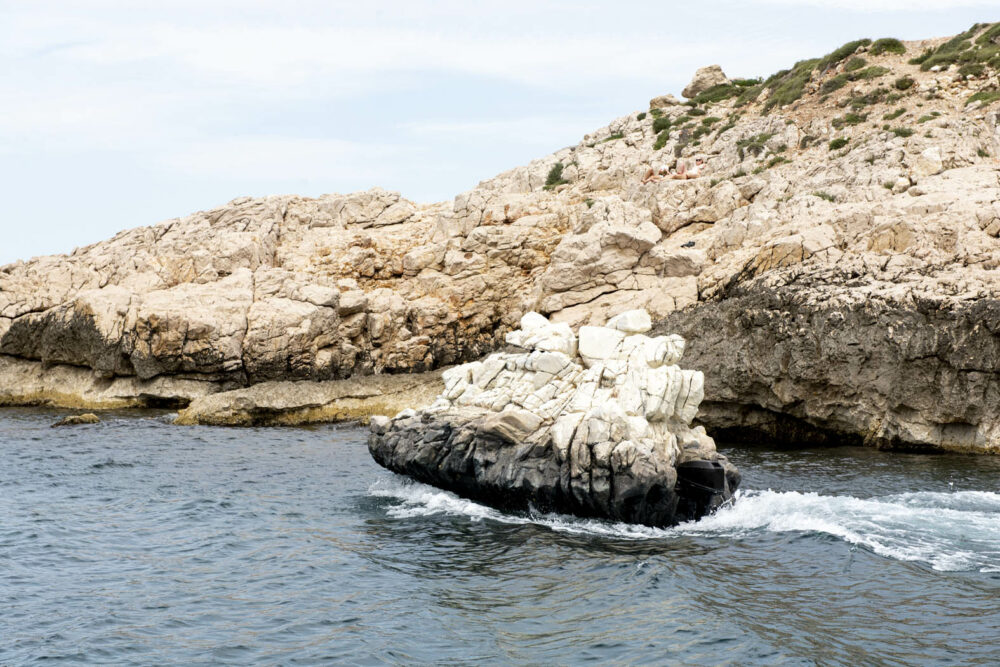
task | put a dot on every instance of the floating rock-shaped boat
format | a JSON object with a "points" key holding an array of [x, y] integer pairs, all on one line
{"points": [[595, 426]]}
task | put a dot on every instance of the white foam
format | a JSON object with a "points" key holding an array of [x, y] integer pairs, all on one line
{"points": [[952, 531]]}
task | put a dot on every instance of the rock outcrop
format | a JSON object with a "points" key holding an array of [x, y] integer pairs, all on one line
{"points": [[705, 78], [859, 187], [287, 403], [596, 426], [76, 420]]}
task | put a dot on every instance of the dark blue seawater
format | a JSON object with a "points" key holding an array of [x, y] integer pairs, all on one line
{"points": [[138, 542]]}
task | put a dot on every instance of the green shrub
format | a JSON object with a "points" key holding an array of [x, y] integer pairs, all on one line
{"points": [[984, 96], [836, 83], [662, 123], [746, 83], [697, 112], [834, 57], [806, 141], [718, 93], [612, 137], [873, 97], [753, 145], [903, 83], [951, 51], [902, 132], [893, 115], [991, 36], [749, 95], [699, 132], [823, 195], [838, 143], [887, 45], [789, 85], [925, 118], [555, 176], [710, 120], [776, 160], [869, 73], [588, 202], [982, 152], [855, 63], [849, 119], [641, 116], [888, 185], [739, 173], [661, 140], [972, 69], [922, 58], [656, 113]]}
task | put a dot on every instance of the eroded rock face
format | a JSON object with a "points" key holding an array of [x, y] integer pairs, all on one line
{"points": [[821, 363], [318, 290], [594, 425], [304, 402]]}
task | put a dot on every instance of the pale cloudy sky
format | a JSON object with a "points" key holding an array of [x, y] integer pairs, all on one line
{"points": [[120, 113]]}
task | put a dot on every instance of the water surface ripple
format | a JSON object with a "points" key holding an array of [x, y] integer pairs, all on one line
{"points": [[138, 542]]}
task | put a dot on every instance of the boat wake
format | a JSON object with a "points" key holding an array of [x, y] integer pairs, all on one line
{"points": [[956, 531]]}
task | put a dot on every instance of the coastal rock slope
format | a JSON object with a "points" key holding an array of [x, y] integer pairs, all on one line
{"points": [[595, 426], [835, 266]]}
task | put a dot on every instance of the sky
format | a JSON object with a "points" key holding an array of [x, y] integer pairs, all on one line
{"points": [[116, 114]]}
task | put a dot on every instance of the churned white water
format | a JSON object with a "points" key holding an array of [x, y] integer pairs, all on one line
{"points": [[950, 531]]}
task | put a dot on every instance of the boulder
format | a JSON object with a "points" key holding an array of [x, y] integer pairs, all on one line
{"points": [[928, 163], [604, 434], [705, 78], [663, 101], [75, 420]]}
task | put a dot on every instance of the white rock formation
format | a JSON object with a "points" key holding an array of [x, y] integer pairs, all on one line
{"points": [[590, 432]]}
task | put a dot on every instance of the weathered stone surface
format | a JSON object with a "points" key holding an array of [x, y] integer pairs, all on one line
{"points": [[820, 361], [28, 382], [602, 436], [661, 101], [305, 402], [704, 78], [316, 289], [74, 420]]}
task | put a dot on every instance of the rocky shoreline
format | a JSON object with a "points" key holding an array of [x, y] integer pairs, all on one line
{"points": [[836, 268]]}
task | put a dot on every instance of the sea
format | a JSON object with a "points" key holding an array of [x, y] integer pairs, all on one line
{"points": [[137, 542]]}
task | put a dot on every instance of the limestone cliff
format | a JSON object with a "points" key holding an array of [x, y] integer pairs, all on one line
{"points": [[835, 268]]}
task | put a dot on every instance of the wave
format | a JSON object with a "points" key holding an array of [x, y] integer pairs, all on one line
{"points": [[951, 531]]}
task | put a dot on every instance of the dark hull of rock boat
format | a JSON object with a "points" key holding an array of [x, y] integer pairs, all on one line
{"points": [[463, 456]]}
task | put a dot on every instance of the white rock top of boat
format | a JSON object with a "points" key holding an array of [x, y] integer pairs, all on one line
{"points": [[611, 384]]}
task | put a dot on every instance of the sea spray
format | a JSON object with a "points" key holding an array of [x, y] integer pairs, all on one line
{"points": [[950, 531]]}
